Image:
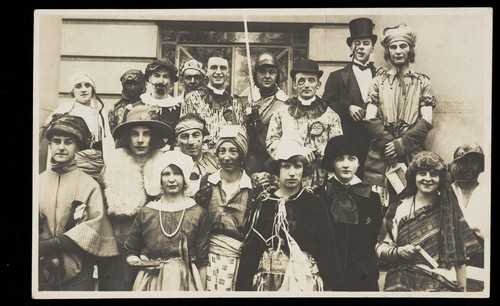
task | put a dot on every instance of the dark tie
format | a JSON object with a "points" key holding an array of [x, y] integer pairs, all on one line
{"points": [[364, 67]]}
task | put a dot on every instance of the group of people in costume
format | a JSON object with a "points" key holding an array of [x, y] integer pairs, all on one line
{"points": [[205, 191]]}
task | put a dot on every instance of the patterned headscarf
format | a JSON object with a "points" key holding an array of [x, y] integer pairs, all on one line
{"points": [[235, 134]]}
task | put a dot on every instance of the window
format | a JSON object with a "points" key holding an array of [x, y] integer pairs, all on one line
{"points": [[181, 41]]}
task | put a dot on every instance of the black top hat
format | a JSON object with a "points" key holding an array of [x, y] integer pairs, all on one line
{"points": [[361, 28], [306, 65], [338, 146]]}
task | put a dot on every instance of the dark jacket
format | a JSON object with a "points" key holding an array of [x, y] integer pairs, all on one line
{"points": [[407, 145], [355, 242], [341, 91]]}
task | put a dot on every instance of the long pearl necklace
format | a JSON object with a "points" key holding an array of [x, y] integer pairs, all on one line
{"points": [[178, 225]]}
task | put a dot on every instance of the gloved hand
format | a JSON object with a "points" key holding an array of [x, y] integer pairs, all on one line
{"points": [[54, 244], [48, 245]]}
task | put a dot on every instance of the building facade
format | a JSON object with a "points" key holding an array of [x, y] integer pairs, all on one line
{"points": [[453, 49]]}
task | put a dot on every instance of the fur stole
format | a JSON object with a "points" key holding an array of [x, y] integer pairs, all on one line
{"points": [[126, 184]]}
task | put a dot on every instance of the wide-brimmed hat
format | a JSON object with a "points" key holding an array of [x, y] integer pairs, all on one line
{"points": [[72, 125], [306, 65], [338, 146], [144, 115], [361, 28], [162, 62]]}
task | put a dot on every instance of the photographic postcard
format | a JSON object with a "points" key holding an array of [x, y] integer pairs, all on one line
{"points": [[453, 49]]}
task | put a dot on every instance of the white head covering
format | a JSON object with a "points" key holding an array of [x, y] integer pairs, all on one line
{"points": [[79, 77], [181, 160], [290, 147]]}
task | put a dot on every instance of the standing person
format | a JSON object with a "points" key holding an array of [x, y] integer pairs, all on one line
{"points": [[305, 119], [355, 212], [268, 98], [227, 195], [190, 132], [172, 232], [193, 76], [217, 106], [290, 244], [128, 183], [160, 75], [87, 105], [133, 86], [467, 164], [427, 220], [346, 89], [74, 228], [399, 110]]}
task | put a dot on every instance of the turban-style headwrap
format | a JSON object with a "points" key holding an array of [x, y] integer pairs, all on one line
{"points": [[81, 77], [237, 135], [401, 32]]}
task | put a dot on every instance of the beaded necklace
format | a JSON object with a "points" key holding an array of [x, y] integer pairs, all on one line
{"points": [[178, 225]]}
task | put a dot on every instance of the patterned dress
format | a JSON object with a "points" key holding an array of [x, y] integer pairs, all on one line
{"points": [[311, 125], [404, 225]]}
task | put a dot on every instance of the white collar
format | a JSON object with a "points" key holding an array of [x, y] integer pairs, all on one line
{"points": [[360, 63], [355, 180], [215, 90], [245, 180], [169, 101], [306, 102], [159, 205], [280, 94]]}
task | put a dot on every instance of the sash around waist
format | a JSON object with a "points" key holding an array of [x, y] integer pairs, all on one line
{"points": [[224, 245]]}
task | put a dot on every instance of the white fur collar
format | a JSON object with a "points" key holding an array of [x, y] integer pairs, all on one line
{"points": [[126, 184]]}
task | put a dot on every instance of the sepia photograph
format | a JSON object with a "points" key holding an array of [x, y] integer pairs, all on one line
{"points": [[250, 153]]}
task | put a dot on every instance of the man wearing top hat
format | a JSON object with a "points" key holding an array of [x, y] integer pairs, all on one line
{"points": [[346, 89], [306, 119], [267, 99]]}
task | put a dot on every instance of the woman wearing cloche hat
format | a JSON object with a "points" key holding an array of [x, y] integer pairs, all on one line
{"points": [[169, 239], [87, 105]]}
